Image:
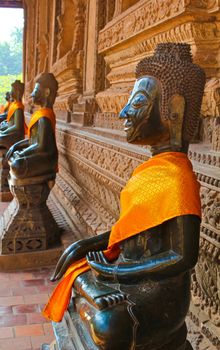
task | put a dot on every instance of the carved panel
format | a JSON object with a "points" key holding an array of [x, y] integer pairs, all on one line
{"points": [[100, 171], [145, 15]]}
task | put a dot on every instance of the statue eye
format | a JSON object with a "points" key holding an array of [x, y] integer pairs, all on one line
{"points": [[139, 101]]}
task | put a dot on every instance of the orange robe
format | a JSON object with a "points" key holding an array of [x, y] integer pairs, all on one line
{"points": [[6, 106], [12, 108], [160, 189], [43, 112]]}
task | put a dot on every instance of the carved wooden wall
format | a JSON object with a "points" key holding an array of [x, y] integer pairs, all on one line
{"points": [[92, 47]]}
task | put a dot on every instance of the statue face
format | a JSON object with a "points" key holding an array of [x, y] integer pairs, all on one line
{"points": [[38, 94], [14, 94], [141, 113], [7, 96]]}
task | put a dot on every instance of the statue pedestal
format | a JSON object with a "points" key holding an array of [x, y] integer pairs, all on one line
{"points": [[27, 224], [5, 194]]}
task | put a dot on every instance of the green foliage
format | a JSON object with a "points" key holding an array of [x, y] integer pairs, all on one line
{"points": [[10, 62], [5, 85], [11, 53]]}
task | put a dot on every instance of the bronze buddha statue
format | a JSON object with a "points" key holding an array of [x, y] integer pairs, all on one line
{"points": [[13, 129], [140, 298], [37, 155], [3, 115], [33, 167]]}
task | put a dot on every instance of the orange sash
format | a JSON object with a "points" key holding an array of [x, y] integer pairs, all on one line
{"points": [[13, 107], [160, 189], [6, 106], [43, 112]]}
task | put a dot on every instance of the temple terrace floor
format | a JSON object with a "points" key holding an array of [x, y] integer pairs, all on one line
{"points": [[22, 297]]}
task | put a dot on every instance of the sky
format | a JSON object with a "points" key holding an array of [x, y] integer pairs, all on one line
{"points": [[9, 18]]}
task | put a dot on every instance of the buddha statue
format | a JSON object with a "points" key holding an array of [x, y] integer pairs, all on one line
{"points": [[37, 155], [3, 115], [131, 286], [33, 166], [12, 129]]}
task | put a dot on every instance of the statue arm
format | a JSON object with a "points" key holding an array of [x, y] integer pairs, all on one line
{"points": [[3, 116], [3, 125], [77, 251], [18, 123], [44, 130], [16, 147], [168, 263]]}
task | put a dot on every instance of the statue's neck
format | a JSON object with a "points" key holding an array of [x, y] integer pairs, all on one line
{"points": [[168, 148]]}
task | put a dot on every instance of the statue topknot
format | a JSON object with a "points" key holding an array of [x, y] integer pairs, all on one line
{"points": [[172, 66]]}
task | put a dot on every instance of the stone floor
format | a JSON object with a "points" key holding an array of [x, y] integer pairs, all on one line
{"points": [[22, 297]]}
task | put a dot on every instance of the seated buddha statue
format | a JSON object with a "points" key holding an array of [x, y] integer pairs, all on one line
{"points": [[131, 286], [12, 129], [37, 155], [4, 113], [33, 167]]}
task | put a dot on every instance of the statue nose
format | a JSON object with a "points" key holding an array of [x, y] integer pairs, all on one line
{"points": [[123, 113]]}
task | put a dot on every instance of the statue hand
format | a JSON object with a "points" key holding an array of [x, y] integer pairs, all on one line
{"points": [[10, 152], [97, 257], [3, 125], [77, 251], [17, 154], [68, 257], [98, 263]]}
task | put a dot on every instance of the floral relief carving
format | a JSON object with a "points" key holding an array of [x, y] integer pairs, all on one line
{"points": [[146, 15]]}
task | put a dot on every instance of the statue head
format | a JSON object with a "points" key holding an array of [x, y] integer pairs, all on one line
{"points": [[17, 90], [7, 96], [164, 107], [45, 90]]}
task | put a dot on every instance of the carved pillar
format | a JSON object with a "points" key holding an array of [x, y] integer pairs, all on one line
{"points": [[66, 27], [42, 37], [68, 62], [94, 66]]}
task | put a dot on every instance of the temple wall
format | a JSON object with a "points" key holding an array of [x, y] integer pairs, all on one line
{"points": [[92, 47]]}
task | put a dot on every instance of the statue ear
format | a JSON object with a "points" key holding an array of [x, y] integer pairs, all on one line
{"points": [[176, 113], [47, 92]]}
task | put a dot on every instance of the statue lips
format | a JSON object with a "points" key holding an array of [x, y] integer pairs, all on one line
{"points": [[133, 131]]}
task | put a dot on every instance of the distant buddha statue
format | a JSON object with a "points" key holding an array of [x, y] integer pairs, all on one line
{"points": [[4, 113], [37, 155], [33, 166], [13, 129], [131, 286]]}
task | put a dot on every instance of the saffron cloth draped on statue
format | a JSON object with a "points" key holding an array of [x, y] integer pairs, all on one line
{"points": [[6, 106], [13, 107], [155, 193], [43, 112]]}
